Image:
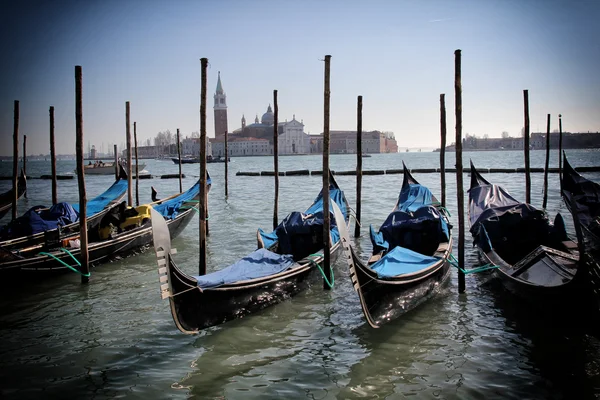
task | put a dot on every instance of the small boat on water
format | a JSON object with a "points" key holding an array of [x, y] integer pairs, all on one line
{"points": [[23, 234], [410, 258], [119, 233], [280, 268], [196, 160], [582, 197], [534, 258], [6, 198], [106, 168]]}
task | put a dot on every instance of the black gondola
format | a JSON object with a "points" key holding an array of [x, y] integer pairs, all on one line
{"points": [[118, 233], [97, 208], [6, 198], [582, 197], [535, 259], [282, 266], [410, 258]]}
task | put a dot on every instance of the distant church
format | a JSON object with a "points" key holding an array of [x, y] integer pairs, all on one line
{"points": [[220, 110]]}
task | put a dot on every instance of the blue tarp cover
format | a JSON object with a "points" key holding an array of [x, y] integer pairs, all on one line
{"points": [[414, 196], [259, 264], [98, 204], [488, 201], [37, 219], [170, 208], [402, 261]]}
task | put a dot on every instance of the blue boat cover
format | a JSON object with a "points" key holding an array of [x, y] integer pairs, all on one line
{"points": [[300, 234], [39, 219], [258, 264], [414, 196], [489, 201], [401, 261], [100, 202], [170, 208]]}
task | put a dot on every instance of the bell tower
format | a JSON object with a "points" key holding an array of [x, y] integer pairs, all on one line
{"points": [[220, 109]]}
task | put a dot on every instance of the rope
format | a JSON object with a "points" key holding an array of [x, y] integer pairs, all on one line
{"points": [[193, 208], [454, 262], [64, 263], [330, 284], [445, 211]]}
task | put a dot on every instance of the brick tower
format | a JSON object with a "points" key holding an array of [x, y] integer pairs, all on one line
{"points": [[220, 110]]}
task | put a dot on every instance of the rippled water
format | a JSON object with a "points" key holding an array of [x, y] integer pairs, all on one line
{"points": [[115, 337]]}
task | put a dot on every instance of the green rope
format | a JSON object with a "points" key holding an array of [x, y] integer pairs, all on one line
{"points": [[330, 284], [193, 208], [454, 262], [445, 211], [64, 263]]}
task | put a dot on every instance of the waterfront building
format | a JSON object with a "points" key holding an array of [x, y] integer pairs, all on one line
{"points": [[241, 146], [220, 109], [344, 142]]}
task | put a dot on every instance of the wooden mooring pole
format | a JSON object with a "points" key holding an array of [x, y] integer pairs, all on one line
{"points": [[137, 168], [226, 165], [25, 159], [53, 158], [129, 169], [443, 147], [83, 235], [459, 171], [526, 148], [547, 165], [276, 160], [203, 197], [326, 219], [116, 163], [560, 155], [15, 181], [179, 158], [359, 105]]}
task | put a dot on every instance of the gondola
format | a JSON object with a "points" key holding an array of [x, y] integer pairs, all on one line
{"points": [[582, 197], [410, 259], [281, 267], [96, 209], [535, 259], [6, 198], [119, 233]]}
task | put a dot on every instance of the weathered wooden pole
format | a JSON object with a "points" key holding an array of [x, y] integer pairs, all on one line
{"points": [[276, 161], [358, 165], [116, 163], [545, 202], [179, 157], [129, 169], [560, 156], [25, 158], [15, 181], [443, 146], [137, 168], [459, 171], [83, 234], [203, 197], [53, 158], [326, 219], [526, 148], [226, 164]]}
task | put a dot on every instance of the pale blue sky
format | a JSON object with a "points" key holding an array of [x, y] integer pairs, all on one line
{"points": [[397, 54]]}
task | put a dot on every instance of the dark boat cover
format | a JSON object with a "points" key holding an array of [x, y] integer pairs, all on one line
{"points": [[402, 261], [258, 264], [39, 219], [583, 191], [100, 202]]}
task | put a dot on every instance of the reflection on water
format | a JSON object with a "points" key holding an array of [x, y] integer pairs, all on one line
{"points": [[115, 337]]}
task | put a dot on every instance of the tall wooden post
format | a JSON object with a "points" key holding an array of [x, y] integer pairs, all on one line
{"points": [[276, 160], [560, 155], [116, 162], [203, 197], [326, 218], [226, 165], [25, 158], [545, 202], [179, 157], [443, 146], [129, 169], [358, 165], [137, 168], [53, 158], [15, 181], [459, 171], [526, 148], [83, 235]]}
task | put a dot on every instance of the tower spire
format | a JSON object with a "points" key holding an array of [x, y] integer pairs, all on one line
{"points": [[220, 109]]}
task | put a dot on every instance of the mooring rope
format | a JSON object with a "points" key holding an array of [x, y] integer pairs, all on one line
{"points": [[454, 262], [64, 263], [330, 284]]}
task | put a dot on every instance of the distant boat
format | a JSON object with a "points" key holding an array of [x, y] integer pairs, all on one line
{"points": [[366, 155], [196, 160], [105, 168]]}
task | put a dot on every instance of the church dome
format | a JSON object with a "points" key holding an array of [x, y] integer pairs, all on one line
{"points": [[268, 118]]}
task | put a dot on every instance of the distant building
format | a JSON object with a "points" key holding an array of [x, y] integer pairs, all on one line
{"points": [[241, 146], [220, 109], [191, 147], [344, 142]]}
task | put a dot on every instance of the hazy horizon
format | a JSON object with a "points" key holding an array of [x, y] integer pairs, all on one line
{"points": [[399, 55]]}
